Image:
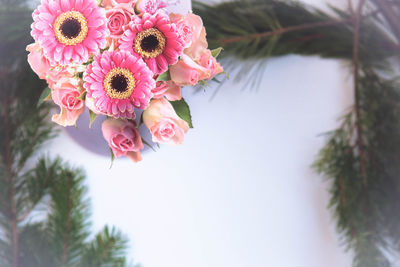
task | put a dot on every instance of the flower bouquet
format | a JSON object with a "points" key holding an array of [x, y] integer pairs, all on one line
{"points": [[119, 58]]}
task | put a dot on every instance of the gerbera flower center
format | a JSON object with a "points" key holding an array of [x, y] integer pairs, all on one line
{"points": [[71, 28], [119, 83], [149, 43]]}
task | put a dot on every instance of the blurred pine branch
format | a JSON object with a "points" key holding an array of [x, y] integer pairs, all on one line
{"points": [[258, 29], [361, 157], [44, 210]]}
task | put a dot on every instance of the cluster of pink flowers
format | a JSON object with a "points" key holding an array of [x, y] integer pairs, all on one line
{"points": [[117, 57]]}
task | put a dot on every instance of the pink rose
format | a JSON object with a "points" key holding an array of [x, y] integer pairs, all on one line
{"points": [[123, 137], [117, 18], [188, 72], [184, 29], [164, 124], [38, 62], [209, 62], [128, 5], [168, 89], [195, 37], [42, 66], [198, 45], [58, 73], [65, 95], [149, 6], [113, 3]]}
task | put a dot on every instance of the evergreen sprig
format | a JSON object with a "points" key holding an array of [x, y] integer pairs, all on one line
{"points": [[256, 29], [44, 209], [365, 205], [361, 157]]}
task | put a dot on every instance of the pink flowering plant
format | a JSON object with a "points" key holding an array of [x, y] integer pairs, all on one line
{"points": [[118, 58]]}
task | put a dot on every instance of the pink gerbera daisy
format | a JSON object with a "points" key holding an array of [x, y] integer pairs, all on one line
{"points": [[69, 30], [119, 81], [155, 39]]}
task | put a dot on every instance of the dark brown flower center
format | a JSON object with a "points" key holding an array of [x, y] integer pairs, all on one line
{"points": [[150, 43], [71, 28], [119, 83]]}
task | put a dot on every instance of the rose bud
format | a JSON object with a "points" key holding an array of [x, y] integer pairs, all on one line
{"points": [[164, 124], [168, 89], [117, 18], [123, 137], [209, 62], [197, 44], [65, 94], [188, 72]]}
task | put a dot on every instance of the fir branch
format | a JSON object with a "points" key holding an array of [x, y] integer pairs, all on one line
{"points": [[11, 190], [283, 30], [393, 20], [36, 247], [246, 29], [356, 44], [68, 216], [364, 210], [36, 183], [361, 157], [68, 225], [51, 194], [107, 249]]}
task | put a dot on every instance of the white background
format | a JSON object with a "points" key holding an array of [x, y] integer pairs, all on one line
{"points": [[240, 190]]}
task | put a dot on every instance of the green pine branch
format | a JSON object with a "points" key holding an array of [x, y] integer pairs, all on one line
{"points": [[365, 206], [361, 157], [259, 29], [105, 250], [44, 209]]}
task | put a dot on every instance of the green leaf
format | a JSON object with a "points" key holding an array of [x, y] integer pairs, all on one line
{"points": [[99, 2], [226, 74], [166, 76], [141, 120], [92, 117], [216, 80], [112, 158], [79, 75], [148, 144], [203, 83], [215, 52], [82, 96], [183, 111], [46, 95]]}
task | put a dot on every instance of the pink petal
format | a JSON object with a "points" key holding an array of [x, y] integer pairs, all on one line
{"points": [[91, 44], [162, 63], [65, 6], [95, 23], [147, 25], [122, 106], [79, 49], [78, 4], [68, 52], [98, 72], [152, 64], [41, 25]]}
